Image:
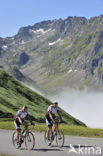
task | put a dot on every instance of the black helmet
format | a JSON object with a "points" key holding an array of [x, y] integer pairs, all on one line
{"points": [[56, 103]]}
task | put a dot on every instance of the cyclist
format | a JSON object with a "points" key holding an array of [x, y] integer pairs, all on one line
{"points": [[51, 118], [19, 120]]}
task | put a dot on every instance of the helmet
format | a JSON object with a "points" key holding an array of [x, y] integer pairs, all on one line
{"points": [[56, 103], [25, 107]]}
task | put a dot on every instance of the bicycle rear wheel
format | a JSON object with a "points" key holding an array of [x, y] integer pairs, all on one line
{"points": [[29, 141], [60, 138]]}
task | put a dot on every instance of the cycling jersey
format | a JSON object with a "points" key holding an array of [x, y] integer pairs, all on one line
{"points": [[52, 109], [21, 114], [53, 112]]}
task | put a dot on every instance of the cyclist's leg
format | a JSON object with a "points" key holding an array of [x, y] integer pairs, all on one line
{"points": [[56, 123], [57, 127], [17, 134], [57, 130], [48, 132], [49, 127], [25, 124], [17, 125]]}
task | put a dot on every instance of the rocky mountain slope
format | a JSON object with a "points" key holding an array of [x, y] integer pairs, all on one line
{"points": [[57, 53]]}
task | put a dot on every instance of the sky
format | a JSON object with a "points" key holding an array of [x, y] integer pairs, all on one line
{"points": [[18, 13]]}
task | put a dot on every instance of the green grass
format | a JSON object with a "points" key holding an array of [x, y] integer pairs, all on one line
{"points": [[82, 131], [67, 129], [5, 155], [100, 69]]}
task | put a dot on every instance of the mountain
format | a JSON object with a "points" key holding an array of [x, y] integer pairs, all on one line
{"points": [[59, 53], [14, 95]]}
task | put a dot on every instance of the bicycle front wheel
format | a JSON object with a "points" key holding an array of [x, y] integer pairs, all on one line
{"points": [[29, 141], [60, 138]]}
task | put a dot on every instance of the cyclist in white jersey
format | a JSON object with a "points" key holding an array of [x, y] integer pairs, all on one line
{"points": [[20, 120], [51, 118]]}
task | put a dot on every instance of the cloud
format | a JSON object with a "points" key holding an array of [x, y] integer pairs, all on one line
{"points": [[85, 105]]}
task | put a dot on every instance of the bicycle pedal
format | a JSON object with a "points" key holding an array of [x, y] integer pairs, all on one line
{"points": [[49, 144], [19, 145], [21, 141], [52, 137], [17, 142]]}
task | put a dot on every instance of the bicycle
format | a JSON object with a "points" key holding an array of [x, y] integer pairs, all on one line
{"points": [[26, 137], [58, 134]]}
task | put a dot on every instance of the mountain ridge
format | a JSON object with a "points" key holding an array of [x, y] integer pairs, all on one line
{"points": [[56, 49]]}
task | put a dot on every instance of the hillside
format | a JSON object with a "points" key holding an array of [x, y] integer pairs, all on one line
{"points": [[59, 53], [13, 95]]}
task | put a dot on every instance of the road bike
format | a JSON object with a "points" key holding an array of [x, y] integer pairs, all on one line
{"points": [[55, 134], [26, 137]]}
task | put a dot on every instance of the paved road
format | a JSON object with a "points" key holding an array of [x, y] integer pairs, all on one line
{"points": [[82, 146]]}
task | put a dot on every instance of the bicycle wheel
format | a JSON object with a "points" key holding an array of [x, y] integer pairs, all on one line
{"points": [[60, 138], [14, 141], [29, 141], [51, 138]]}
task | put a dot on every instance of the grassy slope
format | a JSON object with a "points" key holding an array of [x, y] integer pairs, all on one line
{"points": [[13, 95], [4, 155]]}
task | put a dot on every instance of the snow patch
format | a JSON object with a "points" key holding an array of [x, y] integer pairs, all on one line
{"points": [[4, 47], [39, 31], [70, 71], [23, 42], [52, 43]]}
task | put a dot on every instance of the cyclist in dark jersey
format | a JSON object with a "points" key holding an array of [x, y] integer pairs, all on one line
{"points": [[51, 118]]}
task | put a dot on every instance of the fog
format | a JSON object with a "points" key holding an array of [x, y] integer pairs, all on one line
{"points": [[84, 105], [35, 89]]}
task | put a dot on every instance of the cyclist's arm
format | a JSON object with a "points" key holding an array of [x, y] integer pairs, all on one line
{"points": [[29, 118], [60, 115], [19, 118], [51, 117]]}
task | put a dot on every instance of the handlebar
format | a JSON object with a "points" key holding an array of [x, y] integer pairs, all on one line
{"points": [[28, 124], [58, 122]]}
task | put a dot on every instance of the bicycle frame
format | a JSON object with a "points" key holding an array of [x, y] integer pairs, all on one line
{"points": [[25, 130], [56, 126]]}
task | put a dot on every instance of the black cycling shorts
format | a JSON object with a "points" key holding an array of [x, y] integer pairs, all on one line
{"points": [[17, 123]]}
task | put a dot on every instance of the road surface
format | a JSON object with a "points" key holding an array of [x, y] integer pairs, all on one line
{"points": [[73, 146]]}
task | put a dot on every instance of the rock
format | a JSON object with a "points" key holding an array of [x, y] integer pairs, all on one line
{"points": [[24, 58]]}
